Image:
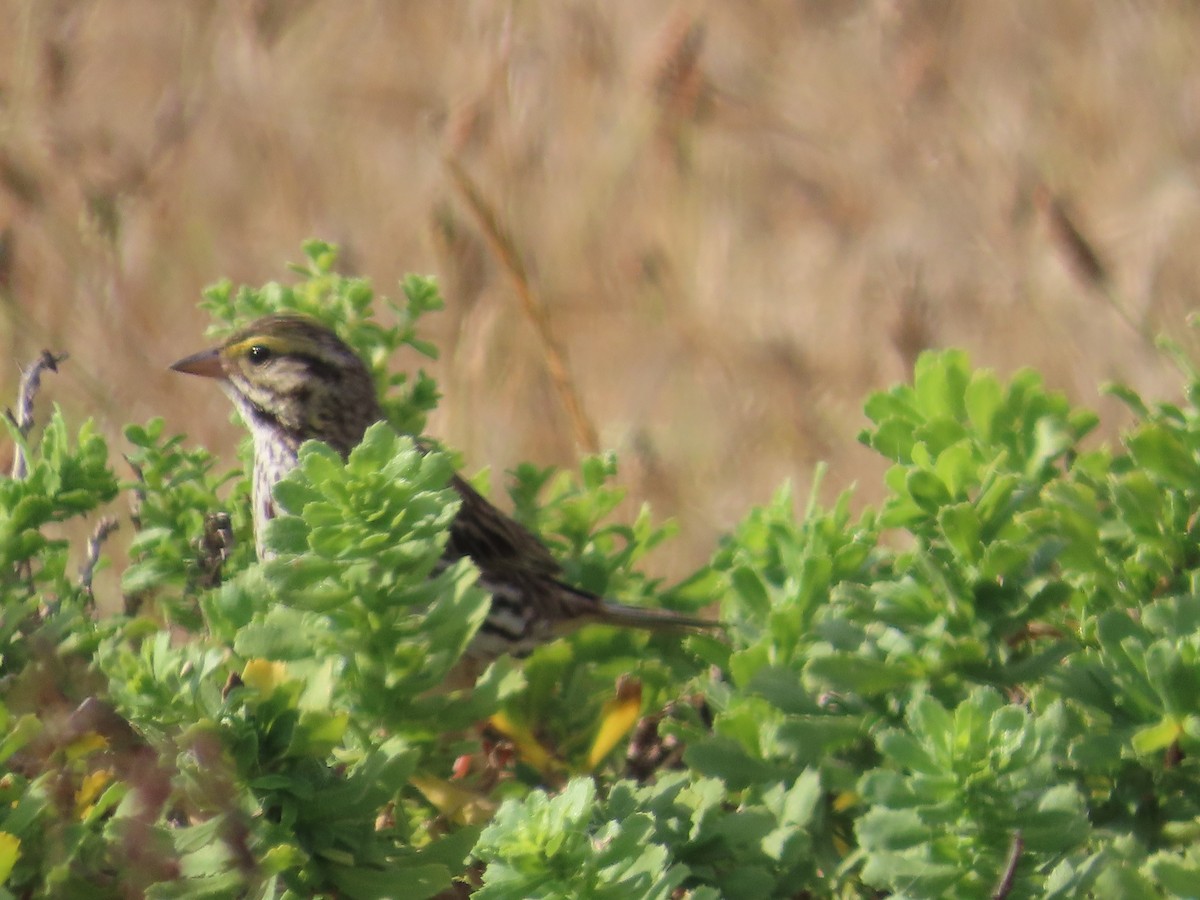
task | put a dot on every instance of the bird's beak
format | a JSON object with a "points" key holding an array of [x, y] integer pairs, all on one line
{"points": [[206, 363]]}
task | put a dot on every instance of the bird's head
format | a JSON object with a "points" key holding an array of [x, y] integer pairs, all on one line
{"points": [[291, 373]]}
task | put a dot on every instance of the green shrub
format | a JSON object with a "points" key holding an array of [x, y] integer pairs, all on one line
{"points": [[990, 686]]}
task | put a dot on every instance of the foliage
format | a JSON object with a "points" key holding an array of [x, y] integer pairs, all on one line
{"points": [[990, 686]]}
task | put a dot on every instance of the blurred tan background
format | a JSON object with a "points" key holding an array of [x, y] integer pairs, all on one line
{"points": [[740, 218]]}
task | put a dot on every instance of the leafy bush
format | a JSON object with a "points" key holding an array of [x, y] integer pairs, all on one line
{"points": [[990, 686]]}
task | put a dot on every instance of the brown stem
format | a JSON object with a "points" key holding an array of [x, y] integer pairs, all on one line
{"points": [[1005, 885], [104, 528], [505, 249], [31, 380]]}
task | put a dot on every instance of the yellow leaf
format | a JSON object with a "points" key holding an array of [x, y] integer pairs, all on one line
{"points": [[89, 789], [844, 801], [263, 676], [457, 803], [619, 716], [528, 747], [10, 852], [85, 745]]}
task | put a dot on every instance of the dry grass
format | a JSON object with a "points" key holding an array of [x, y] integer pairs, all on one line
{"points": [[735, 220]]}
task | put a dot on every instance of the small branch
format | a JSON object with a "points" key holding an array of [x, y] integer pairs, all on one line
{"points": [[505, 249], [104, 528], [1081, 255], [139, 494], [1005, 885], [31, 380]]}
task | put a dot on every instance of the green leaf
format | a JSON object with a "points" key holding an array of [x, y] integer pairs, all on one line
{"points": [[856, 674], [362, 883], [957, 468], [891, 829], [19, 734], [750, 589], [1156, 738], [724, 758], [1176, 872], [983, 399], [939, 383], [927, 490], [283, 634], [962, 530], [1161, 452], [906, 751], [1052, 438]]}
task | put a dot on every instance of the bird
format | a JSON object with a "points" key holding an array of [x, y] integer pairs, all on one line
{"points": [[292, 379]]}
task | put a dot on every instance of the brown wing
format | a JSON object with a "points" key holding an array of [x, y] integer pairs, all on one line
{"points": [[531, 609], [530, 605], [497, 543]]}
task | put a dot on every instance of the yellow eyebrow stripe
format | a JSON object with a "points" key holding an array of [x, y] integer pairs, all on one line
{"points": [[274, 344]]}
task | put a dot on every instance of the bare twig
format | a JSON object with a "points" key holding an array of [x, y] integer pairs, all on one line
{"points": [[137, 498], [104, 528], [1079, 252], [31, 380], [1008, 878], [139, 494], [1081, 255], [650, 752], [505, 249]]}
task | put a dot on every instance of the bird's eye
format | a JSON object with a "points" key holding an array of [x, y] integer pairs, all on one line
{"points": [[259, 354]]}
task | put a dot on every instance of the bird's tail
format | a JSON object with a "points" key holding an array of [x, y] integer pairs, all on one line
{"points": [[590, 608], [614, 613]]}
